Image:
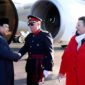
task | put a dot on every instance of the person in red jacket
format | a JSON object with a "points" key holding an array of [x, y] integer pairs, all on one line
{"points": [[73, 59]]}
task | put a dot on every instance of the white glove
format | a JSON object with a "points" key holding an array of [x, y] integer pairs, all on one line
{"points": [[46, 73]]}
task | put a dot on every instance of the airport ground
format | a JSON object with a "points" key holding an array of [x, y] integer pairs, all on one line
{"points": [[19, 67]]}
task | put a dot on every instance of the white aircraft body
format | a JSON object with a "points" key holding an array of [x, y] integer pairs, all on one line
{"points": [[59, 16]]}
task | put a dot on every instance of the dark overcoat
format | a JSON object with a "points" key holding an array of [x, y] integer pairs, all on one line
{"points": [[39, 47], [7, 56]]}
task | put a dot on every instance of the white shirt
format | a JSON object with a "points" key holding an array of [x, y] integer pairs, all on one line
{"points": [[79, 39]]}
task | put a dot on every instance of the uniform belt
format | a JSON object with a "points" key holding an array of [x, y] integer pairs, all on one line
{"points": [[36, 56]]}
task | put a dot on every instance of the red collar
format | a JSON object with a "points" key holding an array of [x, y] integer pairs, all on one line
{"points": [[37, 32]]}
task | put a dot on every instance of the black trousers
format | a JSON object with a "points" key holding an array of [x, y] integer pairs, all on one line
{"points": [[30, 82]]}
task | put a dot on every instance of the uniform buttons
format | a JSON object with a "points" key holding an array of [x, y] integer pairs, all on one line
{"points": [[32, 41], [37, 44], [30, 46], [33, 35]]}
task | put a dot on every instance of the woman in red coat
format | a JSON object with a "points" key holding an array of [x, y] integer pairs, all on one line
{"points": [[73, 59]]}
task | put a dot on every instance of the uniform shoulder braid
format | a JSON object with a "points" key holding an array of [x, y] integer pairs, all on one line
{"points": [[47, 36], [46, 33]]}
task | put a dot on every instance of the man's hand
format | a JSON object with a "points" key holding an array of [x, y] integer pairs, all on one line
{"points": [[60, 76], [19, 56]]}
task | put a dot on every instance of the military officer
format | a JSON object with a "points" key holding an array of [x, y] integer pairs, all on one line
{"points": [[39, 46]]}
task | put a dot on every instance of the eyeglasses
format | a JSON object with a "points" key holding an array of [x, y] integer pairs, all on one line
{"points": [[31, 24]]}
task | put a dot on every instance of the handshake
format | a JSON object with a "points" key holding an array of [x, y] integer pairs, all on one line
{"points": [[17, 56]]}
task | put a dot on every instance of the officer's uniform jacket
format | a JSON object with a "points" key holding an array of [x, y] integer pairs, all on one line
{"points": [[39, 48]]}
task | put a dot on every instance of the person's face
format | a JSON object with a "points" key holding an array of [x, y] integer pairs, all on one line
{"points": [[34, 25], [4, 29], [80, 27]]}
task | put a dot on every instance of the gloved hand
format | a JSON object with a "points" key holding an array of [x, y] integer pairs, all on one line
{"points": [[60, 76], [46, 73]]}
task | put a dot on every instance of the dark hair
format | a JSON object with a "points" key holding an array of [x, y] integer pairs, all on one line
{"points": [[4, 21], [83, 19]]}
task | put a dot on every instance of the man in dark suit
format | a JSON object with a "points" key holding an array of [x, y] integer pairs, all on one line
{"points": [[39, 45], [7, 56]]}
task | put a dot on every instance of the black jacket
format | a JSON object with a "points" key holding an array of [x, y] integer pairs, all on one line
{"points": [[42, 44]]}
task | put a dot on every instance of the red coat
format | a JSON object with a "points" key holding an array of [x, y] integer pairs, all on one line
{"points": [[73, 63]]}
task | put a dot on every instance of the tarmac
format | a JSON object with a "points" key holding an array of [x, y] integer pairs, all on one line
{"points": [[19, 67]]}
